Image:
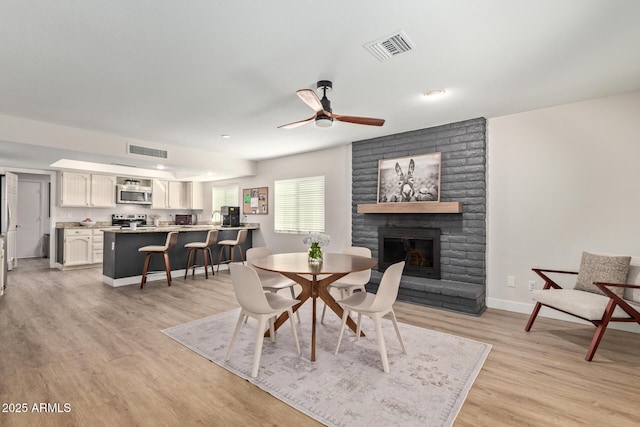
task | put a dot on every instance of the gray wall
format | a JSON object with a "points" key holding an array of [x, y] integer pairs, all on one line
{"points": [[463, 244]]}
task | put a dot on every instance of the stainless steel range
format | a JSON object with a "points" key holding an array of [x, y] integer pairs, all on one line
{"points": [[125, 221]]}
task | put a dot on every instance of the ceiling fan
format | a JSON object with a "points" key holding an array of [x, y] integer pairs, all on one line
{"points": [[324, 116]]}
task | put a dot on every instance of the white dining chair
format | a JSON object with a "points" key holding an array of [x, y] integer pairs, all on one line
{"points": [[262, 306], [352, 281], [271, 281], [376, 306]]}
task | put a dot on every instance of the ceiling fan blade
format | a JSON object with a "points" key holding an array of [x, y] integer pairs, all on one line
{"points": [[296, 124], [370, 121], [311, 99]]}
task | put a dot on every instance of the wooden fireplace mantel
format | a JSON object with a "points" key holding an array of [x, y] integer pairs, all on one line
{"points": [[411, 207]]}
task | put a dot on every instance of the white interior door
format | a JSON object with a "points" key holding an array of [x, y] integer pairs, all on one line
{"points": [[29, 224]]}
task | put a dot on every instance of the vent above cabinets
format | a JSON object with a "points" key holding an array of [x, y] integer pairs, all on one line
{"points": [[139, 150]]}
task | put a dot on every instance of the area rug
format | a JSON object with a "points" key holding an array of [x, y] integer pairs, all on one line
{"points": [[425, 387]]}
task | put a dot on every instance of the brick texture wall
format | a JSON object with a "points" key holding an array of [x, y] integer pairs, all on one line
{"points": [[463, 148]]}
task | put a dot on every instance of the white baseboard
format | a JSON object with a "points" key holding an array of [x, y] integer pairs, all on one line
{"points": [[527, 308], [152, 276]]}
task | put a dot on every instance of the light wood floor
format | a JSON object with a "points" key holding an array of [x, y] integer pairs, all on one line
{"points": [[67, 338]]}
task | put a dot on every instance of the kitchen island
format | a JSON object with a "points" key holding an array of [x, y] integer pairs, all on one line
{"points": [[122, 263]]}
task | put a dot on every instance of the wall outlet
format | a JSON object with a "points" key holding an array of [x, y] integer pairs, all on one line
{"points": [[532, 285], [511, 281]]}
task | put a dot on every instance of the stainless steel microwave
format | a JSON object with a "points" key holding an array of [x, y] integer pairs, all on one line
{"points": [[133, 194]]}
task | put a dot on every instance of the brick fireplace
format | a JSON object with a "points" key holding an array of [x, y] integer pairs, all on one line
{"points": [[461, 283]]}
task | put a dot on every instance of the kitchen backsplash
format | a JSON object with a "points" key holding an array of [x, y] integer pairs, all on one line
{"points": [[104, 214]]}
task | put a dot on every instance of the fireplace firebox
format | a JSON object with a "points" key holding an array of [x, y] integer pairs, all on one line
{"points": [[418, 247]]}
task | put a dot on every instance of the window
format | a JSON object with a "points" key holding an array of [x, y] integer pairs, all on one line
{"points": [[299, 205], [226, 195]]}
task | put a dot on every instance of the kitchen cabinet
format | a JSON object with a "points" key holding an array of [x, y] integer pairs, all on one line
{"points": [[159, 191], [84, 189], [78, 247], [177, 195], [195, 199], [74, 188], [103, 191], [97, 239]]}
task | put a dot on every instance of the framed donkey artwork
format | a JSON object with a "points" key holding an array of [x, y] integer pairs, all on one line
{"points": [[409, 179]]}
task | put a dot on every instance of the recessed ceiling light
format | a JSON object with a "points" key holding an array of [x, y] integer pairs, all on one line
{"points": [[434, 93], [226, 136], [160, 167]]}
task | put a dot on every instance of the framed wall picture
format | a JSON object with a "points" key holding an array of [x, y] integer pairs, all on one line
{"points": [[255, 201], [409, 179]]}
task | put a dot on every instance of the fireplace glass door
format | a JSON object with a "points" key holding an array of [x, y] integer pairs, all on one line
{"points": [[418, 247]]}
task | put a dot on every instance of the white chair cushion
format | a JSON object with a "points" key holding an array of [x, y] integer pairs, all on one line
{"points": [[152, 249], [361, 301], [275, 282], [198, 245], [587, 305], [347, 285], [228, 242], [278, 302], [633, 278]]}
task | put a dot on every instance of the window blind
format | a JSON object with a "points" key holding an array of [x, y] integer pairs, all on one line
{"points": [[226, 195], [299, 205]]}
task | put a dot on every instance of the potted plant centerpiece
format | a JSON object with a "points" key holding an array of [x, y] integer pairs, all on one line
{"points": [[316, 242]]}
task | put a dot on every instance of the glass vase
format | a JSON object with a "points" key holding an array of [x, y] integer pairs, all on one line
{"points": [[315, 254]]}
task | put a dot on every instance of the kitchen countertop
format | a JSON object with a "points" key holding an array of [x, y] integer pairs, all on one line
{"points": [[181, 228], [106, 226]]}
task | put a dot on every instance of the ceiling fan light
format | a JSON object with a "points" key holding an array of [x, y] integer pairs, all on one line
{"points": [[324, 121]]}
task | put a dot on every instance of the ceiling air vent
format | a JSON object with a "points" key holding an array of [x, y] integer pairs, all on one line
{"points": [[390, 45], [147, 151]]}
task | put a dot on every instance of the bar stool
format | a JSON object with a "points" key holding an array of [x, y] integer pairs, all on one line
{"points": [[232, 244], [212, 237], [172, 239]]}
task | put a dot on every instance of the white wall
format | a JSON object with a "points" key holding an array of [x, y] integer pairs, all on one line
{"points": [[561, 180], [334, 164]]}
